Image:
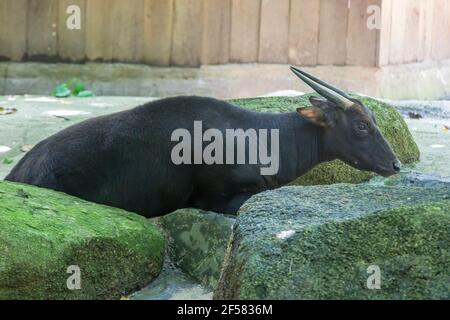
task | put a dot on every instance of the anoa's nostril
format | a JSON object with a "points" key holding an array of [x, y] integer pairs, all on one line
{"points": [[397, 166]]}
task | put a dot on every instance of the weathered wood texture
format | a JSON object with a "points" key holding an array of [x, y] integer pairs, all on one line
{"points": [[216, 31], [274, 31], [414, 31], [194, 32], [245, 23], [71, 40], [158, 32], [187, 33], [13, 29], [304, 32], [333, 32], [99, 44], [440, 45], [384, 41], [362, 34], [42, 29]]}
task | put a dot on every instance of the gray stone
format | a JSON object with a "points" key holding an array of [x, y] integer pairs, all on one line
{"points": [[318, 243], [197, 242]]}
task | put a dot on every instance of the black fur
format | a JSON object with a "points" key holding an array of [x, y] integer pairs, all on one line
{"points": [[123, 159]]}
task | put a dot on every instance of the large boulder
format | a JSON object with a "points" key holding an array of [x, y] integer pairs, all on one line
{"points": [[46, 234], [325, 242], [197, 242], [391, 124]]}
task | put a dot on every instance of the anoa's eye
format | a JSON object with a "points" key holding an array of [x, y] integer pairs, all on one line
{"points": [[362, 126]]}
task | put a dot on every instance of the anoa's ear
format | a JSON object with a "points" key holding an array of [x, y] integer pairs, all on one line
{"points": [[314, 115]]}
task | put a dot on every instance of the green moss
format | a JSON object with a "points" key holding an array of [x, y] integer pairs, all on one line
{"points": [[43, 232], [197, 242], [337, 232], [391, 124]]}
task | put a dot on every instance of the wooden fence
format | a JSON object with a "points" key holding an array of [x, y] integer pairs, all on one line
{"points": [[194, 32]]}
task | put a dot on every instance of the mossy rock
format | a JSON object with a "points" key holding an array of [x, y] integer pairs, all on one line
{"points": [[43, 232], [197, 242], [318, 243], [391, 124]]}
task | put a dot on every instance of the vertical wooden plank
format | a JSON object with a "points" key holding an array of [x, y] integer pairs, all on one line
{"points": [[441, 30], [426, 30], [245, 22], [397, 31], [42, 27], [99, 34], [447, 31], [412, 32], [216, 31], [71, 42], [422, 31], [274, 31], [333, 32], [13, 31], [304, 32], [187, 33], [128, 29], [438, 25], [384, 45], [361, 41], [158, 32], [5, 53], [114, 30]]}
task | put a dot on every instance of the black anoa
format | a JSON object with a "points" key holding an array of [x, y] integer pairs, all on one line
{"points": [[124, 159]]}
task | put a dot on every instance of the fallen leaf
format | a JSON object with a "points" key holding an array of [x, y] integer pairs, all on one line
{"points": [[26, 148], [415, 115], [7, 160], [5, 111]]}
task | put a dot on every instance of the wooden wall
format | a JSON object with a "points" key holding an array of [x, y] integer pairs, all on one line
{"points": [[194, 32], [414, 31]]}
